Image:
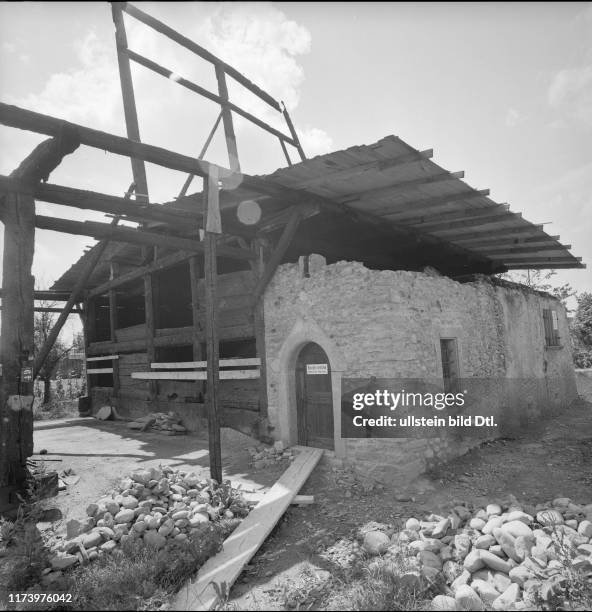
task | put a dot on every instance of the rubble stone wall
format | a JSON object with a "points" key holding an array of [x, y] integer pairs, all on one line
{"points": [[389, 324]]}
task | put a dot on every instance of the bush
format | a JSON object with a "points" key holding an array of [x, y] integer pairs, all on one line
{"points": [[582, 356]]}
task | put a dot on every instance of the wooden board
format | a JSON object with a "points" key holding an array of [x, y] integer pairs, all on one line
{"points": [[100, 371], [240, 547], [202, 375], [102, 358], [254, 361]]}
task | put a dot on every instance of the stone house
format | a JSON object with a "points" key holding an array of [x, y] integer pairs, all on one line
{"points": [[382, 265]]}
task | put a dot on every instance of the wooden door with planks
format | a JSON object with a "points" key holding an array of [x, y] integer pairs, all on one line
{"points": [[314, 398]]}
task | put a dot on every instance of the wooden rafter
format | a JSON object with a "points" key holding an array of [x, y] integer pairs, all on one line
{"points": [[278, 254], [104, 231], [398, 186]]}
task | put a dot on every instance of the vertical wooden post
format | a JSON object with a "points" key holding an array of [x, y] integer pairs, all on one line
{"points": [[114, 271], [16, 344], [211, 323], [150, 331], [129, 101], [259, 320], [90, 326], [194, 274], [227, 120], [16, 330]]}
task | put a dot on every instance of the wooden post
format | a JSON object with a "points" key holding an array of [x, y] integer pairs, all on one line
{"points": [[259, 321], [211, 324], [150, 331], [72, 300], [16, 332], [194, 273], [129, 101], [113, 273], [227, 120]]}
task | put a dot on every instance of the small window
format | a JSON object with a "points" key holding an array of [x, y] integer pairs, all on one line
{"points": [[450, 369], [551, 324]]}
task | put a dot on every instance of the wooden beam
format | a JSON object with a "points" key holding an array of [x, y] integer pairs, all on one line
{"points": [[150, 331], [162, 28], [478, 221], [104, 231], [529, 257], [200, 156], [128, 277], [113, 325], [223, 363], [402, 210], [279, 220], [459, 214], [129, 102], [219, 99], [351, 172], [505, 250], [91, 200], [295, 139], [545, 266], [74, 298], [196, 375], [259, 246], [397, 187], [496, 240], [221, 570], [227, 120], [17, 324], [211, 332], [278, 254], [49, 309], [46, 295], [20, 118], [529, 230]]}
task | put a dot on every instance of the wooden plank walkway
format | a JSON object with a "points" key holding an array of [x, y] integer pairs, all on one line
{"points": [[239, 548]]}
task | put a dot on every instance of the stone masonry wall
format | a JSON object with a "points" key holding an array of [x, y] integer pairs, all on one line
{"points": [[388, 324]]}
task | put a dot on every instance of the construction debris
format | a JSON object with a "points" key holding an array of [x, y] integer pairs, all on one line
{"points": [[167, 423], [263, 456]]}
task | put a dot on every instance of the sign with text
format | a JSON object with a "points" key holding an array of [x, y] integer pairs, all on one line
{"points": [[317, 368]]}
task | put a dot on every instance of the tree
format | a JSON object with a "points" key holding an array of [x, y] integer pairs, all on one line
{"points": [[44, 322], [539, 281]]}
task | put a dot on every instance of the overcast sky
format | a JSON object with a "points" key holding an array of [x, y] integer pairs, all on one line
{"points": [[501, 91]]}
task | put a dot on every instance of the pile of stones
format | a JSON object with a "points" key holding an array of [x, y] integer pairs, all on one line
{"points": [[500, 557], [158, 506], [167, 423], [262, 456]]}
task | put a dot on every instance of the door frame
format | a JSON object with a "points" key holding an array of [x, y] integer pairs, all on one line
{"points": [[301, 396], [283, 374]]}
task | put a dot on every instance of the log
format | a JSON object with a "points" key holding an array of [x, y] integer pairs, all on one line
{"points": [[16, 331], [104, 231]]}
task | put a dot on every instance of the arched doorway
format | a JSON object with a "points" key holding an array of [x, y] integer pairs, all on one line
{"points": [[314, 398]]}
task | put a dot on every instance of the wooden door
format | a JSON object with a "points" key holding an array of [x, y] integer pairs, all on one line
{"points": [[314, 398]]}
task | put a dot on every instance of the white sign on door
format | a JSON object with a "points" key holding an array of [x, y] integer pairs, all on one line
{"points": [[317, 368]]}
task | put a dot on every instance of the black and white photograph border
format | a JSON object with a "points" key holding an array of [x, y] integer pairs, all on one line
{"points": [[263, 346]]}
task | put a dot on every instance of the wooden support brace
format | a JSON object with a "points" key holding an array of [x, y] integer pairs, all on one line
{"points": [[278, 254]]}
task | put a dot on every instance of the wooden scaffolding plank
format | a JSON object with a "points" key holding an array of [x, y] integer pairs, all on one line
{"points": [[239, 548], [196, 375], [224, 363]]}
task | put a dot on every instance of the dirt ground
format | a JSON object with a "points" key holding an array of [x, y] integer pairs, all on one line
{"points": [[99, 453], [311, 544]]}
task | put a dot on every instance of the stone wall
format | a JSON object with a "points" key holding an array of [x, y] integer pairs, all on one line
{"points": [[388, 324]]}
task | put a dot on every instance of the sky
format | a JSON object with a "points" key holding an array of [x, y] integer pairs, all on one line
{"points": [[502, 91]]}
